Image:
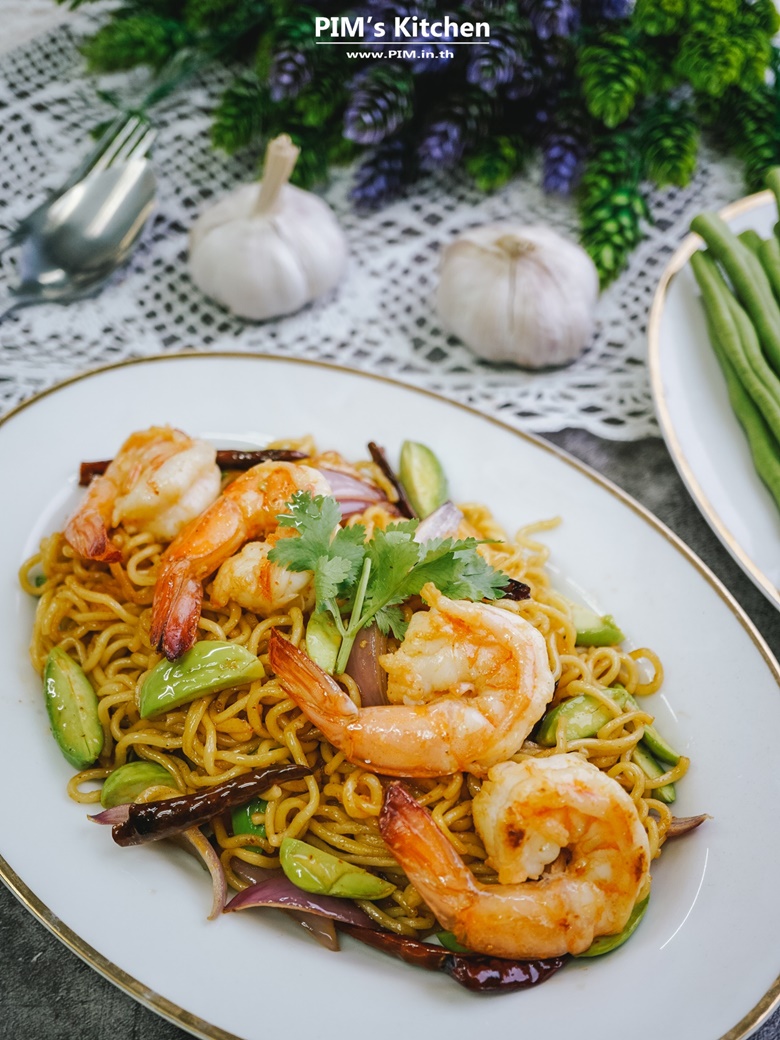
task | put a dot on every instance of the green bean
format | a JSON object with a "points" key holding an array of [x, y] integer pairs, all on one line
{"points": [[738, 338], [126, 782], [317, 871], [72, 705], [748, 278], [754, 242], [769, 255], [751, 239], [764, 448], [210, 666], [767, 386], [773, 183]]}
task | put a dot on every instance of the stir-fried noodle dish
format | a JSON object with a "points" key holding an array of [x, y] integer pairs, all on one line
{"points": [[356, 701]]}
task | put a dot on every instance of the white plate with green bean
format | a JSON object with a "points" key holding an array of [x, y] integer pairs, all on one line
{"points": [[702, 432], [703, 964]]}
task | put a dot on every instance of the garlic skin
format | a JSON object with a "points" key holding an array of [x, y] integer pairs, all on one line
{"points": [[268, 248], [523, 294]]}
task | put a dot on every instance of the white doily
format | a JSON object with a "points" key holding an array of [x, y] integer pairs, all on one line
{"points": [[380, 319]]}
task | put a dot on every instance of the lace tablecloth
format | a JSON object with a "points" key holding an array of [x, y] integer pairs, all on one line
{"points": [[380, 319]]}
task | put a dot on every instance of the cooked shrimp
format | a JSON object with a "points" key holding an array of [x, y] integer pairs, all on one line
{"points": [[560, 812], [467, 685], [159, 480], [255, 583], [246, 509]]}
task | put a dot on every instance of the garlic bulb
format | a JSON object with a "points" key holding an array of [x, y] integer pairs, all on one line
{"points": [[520, 294], [268, 248]]}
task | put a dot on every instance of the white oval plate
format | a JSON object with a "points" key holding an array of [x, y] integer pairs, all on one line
{"points": [[704, 963], [705, 440]]}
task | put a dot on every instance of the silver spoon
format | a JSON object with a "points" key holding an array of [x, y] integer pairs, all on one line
{"points": [[86, 234]]}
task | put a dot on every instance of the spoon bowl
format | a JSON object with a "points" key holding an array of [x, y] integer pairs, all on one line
{"points": [[85, 235]]}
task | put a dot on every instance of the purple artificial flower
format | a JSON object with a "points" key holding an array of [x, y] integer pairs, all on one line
{"points": [[493, 64], [551, 18], [383, 175], [290, 72], [562, 163], [380, 103], [442, 146]]}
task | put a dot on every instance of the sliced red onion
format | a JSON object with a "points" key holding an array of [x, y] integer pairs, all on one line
{"points": [[282, 893], [682, 825], [116, 814], [353, 495], [321, 929], [254, 875], [208, 854], [364, 667], [441, 523], [351, 506], [343, 486]]}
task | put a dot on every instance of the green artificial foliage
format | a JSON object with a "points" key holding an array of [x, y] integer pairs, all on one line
{"points": [[613, 72], [140, 39], [612, 208], [317, 104], [312, 165], [660, 17], [341, 151], [711, 59], [206, 15], [239, 118], [613, 93], [662, 76], [495, 162], [748, 124], [669, 143]]}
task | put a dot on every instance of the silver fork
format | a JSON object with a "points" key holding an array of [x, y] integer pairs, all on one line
{"points": [[71, 246], [130, 136]]}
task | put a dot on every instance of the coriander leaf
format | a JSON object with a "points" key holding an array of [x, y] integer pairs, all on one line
{"points": [[317, 547], [475, 579], [315, 519], [437, 564], [391, 619], [349, 543], [393, 554], [404, 527], [458, 571], [455, 568], [329, 575]]}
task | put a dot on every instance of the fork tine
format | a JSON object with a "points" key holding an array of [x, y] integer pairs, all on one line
{"points": [[125, 140], [136, 145], [141, 146], [116, 136]]}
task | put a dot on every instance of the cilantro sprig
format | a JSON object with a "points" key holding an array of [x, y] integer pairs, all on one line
{"points": [[358, 580]]}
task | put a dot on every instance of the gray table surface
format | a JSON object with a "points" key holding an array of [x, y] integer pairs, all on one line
{"points": [[47, 993]]}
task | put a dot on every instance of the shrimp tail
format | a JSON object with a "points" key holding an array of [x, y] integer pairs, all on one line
{"points": [[325, 703], [427, 857], [176, 610], [87, 535]]}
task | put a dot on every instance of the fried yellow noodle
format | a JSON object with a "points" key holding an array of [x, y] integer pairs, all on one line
{"points": [[100, 614]]}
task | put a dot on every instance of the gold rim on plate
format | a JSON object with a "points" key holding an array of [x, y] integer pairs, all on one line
{"points": [[677, 262], [155, 1001]]}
